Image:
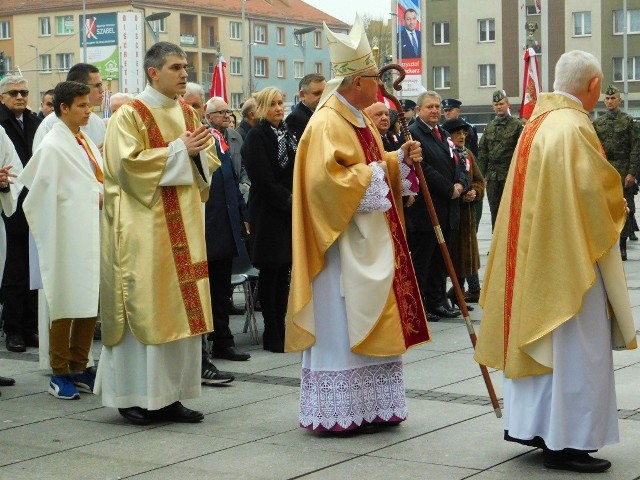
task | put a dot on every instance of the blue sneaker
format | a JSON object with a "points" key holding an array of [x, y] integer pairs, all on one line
{"points": [[61, 386], [84, 381]]}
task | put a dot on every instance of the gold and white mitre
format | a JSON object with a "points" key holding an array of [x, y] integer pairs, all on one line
{"points": [[350, 54]]}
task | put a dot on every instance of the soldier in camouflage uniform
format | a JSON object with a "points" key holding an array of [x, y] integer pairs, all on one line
{"points": [[621, 142], [496, 149]]}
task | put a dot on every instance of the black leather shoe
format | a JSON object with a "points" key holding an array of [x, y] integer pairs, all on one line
{"points": [[136, 415], [234, 310], [633, 237], [32, 340], [445, 312], [575, 461], [15, 343], [231, 353], [432, 318], [6, 381], [176, 412]]}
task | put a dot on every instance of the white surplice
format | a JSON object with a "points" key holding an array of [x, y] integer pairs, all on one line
{"points": [[8, 200]]}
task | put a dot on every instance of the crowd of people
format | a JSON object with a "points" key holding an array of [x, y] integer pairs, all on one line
{"points": [[137, 221]]}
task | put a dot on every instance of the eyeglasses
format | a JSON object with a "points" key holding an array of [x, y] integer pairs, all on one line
{"points": [[222, 112], [14, 93], [96, 85]]}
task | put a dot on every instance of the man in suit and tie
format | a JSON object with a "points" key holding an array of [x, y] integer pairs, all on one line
{"points": [[447, 180], [409, 36]]}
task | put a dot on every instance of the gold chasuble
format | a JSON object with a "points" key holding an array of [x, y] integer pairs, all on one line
{"points": [[154, 263], [384, 310], [542, 259]]}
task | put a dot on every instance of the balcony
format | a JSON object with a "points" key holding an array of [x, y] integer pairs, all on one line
{"points": [[188, 40]]}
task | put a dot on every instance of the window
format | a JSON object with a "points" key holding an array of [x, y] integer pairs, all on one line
{"points": [[64, 61], [45, 26], [633, 69], [581, 24], [280, 35], [317, 39], [45, 63], [533, 10], [64, 25], [261, 67], [5, 30], [260, 33], [282, 68], [236, 65], [212, 36], [441, 33], [235, 30], [487, 30], [236, 100], [159, 26], [298, 40], [633, 21], [441, 78], [487, 75], [298, 69], [317, 68]]}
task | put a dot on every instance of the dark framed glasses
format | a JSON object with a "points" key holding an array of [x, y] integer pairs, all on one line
{"points": [[14, 93]]}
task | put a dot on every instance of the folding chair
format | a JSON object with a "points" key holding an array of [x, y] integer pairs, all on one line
{"points": [[242, 274]]}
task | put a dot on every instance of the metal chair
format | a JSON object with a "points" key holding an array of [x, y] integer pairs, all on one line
{"points": [[243, 273]]}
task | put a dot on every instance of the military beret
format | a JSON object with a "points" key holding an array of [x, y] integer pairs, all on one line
{"points": [[449, 103], [499, 95], [611, 90], [408, 104], [455, 124]]}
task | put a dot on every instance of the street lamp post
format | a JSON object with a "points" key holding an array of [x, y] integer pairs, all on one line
{"points": [[152, 18], [37, 70]]}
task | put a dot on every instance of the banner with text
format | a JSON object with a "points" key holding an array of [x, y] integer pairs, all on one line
{"points": [[131, 42], [409, 43], [101, 32]]}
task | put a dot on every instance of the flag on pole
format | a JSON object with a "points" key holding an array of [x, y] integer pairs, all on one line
{"points": [[386, 101], [219, 80], [531, 83]]}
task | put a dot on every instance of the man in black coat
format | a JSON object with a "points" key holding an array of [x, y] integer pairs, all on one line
{"points": [[447, 180], [249, 119], [311, 88], [20, 303]]}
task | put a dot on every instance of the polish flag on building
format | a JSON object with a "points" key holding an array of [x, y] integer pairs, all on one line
{"points": [[219, 80], [531, 83]]}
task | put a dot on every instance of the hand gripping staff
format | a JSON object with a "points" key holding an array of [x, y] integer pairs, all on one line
{"points": [[436, 225]]}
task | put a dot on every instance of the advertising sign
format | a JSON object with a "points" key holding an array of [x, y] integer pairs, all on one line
{"points": [[131, 43], [410, 45], [101, 32]]}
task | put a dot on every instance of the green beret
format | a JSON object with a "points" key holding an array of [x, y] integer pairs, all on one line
{"points": [[611, 90], [499, 95]]}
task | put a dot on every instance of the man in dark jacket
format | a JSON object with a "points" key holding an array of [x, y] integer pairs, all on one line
{"points": [[311, 88], [447, 180], [249, 120], [20, 304]]}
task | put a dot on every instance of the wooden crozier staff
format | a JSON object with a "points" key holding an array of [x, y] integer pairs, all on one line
{"points": [[436, 225]]}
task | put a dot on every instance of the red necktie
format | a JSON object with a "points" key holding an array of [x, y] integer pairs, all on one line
{"points": [[436, 133]]}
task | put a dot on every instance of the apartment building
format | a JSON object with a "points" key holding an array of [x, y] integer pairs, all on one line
{"points": [[265, 43]]}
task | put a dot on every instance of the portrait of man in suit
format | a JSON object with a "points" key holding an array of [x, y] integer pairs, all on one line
{"points": [[409, 35]]}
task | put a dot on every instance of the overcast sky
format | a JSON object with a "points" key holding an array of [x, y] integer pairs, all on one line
{"points": [[346, 10]]}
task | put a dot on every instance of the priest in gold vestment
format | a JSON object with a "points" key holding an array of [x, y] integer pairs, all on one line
{"points": [[154, 291], [354, 304], [554, 299]]}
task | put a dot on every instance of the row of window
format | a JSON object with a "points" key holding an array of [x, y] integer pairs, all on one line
{"points": [[486, 31], [261, 35], [64, 61], [64, 26], [261, 67]]}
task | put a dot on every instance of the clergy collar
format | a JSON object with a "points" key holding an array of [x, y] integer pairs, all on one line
{"points": [[356, 113], [572, 97], [154, 98]]}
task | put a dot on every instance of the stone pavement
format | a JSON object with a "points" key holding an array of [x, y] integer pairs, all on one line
{"points": [[251, 429]]}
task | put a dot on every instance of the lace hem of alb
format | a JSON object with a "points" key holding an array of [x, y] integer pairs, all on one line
{"points": [[338, 400], [375, 197]]}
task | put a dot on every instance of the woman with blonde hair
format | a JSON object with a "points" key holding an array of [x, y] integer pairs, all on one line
{"points": [[269, 152]]}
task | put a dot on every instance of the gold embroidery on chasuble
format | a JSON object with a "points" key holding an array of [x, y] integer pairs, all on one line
{"points": [[188, 273], [515, 212]]}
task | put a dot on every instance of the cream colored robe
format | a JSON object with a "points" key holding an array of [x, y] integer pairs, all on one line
{"points": [[561, 213], [139, 288]]}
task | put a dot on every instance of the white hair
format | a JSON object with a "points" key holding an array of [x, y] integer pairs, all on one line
{"points": [[194, 89], [574, 71], [211, 104], [121, 96]]}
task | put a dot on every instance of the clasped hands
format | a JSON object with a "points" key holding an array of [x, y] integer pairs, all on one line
{"points": [[6, 175], [197, 140]]}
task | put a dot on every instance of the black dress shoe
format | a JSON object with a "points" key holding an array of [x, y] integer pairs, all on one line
{"points": [[445, 312], [15, 343], [233, 310], [633, 237], [471, 297], [575, 461], [432, 318], [32, 340], [176, 412], [6, 381], [136, 415], [230, 353]]}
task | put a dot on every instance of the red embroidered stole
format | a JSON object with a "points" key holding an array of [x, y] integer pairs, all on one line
{"points": [[188, 273], [405, 286], [515, 212], [92, 159]]}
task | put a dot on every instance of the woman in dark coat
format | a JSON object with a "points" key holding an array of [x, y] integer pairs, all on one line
{"points": [[269, 152], [464, 245]]}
